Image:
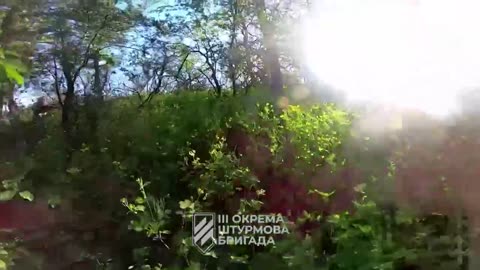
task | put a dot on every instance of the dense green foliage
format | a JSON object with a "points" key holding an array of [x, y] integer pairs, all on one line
{"points": [[152, 168]]}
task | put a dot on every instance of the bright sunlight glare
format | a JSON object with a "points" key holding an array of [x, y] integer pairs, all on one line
{"points": [[410, 53]]}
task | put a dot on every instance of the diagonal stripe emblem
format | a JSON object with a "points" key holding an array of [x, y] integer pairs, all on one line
{"points": [[208, 229], [206, 237], [200, 225], [203, 231]]}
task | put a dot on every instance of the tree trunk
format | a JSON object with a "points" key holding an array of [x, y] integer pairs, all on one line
{"points": [[271, 50], [68, 102], [94, 103], [218, 87], [233, 79], [249, 66], [68, 118], [97, 81], [232, 63]]}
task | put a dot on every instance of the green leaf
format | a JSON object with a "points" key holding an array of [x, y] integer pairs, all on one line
{"points": [[7, 195], [3, 265], [27, 195], [13, 74], [324, 195], [73, 170], [185, 204], [124, 201], [139, 200], [364, 228]]}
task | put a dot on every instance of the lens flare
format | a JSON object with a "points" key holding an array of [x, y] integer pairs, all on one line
{"points": [[418, 54]]}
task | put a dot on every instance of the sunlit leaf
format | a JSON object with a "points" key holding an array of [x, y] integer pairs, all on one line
{"points": [[185, 204], [7, 195], [12, 72], [27, 195]]}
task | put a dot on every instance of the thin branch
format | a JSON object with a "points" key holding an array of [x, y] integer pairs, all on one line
{"points": [[121, 46], [89, 46], [208, 79], [158, 76], [181, 65]]}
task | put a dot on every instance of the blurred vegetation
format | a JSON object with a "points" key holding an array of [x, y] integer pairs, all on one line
{"points": [[154, 167], [211, 113]]}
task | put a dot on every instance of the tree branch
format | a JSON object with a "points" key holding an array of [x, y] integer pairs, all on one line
{"points": [[89, 46]]}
